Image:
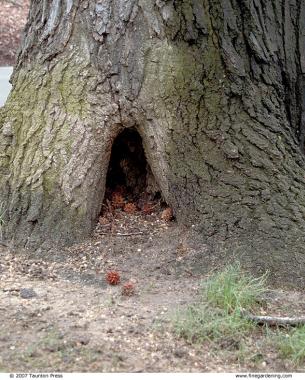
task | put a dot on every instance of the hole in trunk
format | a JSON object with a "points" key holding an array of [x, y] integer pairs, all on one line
{"points": [[127, 167], [133, 203], [129, 173]]}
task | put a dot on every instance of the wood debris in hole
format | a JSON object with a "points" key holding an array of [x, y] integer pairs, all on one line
{"points": [[124, 214]]}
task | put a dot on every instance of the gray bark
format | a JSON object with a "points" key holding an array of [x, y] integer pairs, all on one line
{"points": [[216, 91]]}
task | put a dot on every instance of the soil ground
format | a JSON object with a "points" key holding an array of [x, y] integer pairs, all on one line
{"points": [[60, 314]]}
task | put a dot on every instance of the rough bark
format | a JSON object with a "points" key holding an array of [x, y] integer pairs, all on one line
{"points": [[216, 91]]}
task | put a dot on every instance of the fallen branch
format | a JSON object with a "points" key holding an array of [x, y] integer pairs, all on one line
{"points": [[273, 321]]}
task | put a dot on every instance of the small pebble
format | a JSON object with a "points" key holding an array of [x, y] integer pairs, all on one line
{"points": [[27, 293]]}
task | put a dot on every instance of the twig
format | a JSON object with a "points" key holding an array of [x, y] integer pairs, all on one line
{"points": [[273, 321], [11, 290], [119, 234], [189, 272]]}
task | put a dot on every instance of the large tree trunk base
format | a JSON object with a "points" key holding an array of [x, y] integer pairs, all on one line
{"points": [[214, 90]]}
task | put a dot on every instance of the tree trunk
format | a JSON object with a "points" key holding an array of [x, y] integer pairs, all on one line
{"points": [[214, 88]]}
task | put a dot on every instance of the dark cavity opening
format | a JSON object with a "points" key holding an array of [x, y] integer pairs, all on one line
{"points": [[128, 172]]}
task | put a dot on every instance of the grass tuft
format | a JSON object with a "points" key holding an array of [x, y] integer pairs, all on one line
{"points": [[201, 323], [217, 316], [232, 289], [292, 345]]}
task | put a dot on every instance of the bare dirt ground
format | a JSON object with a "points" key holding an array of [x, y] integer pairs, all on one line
{"points": [[13, 15], [58, 313]]}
